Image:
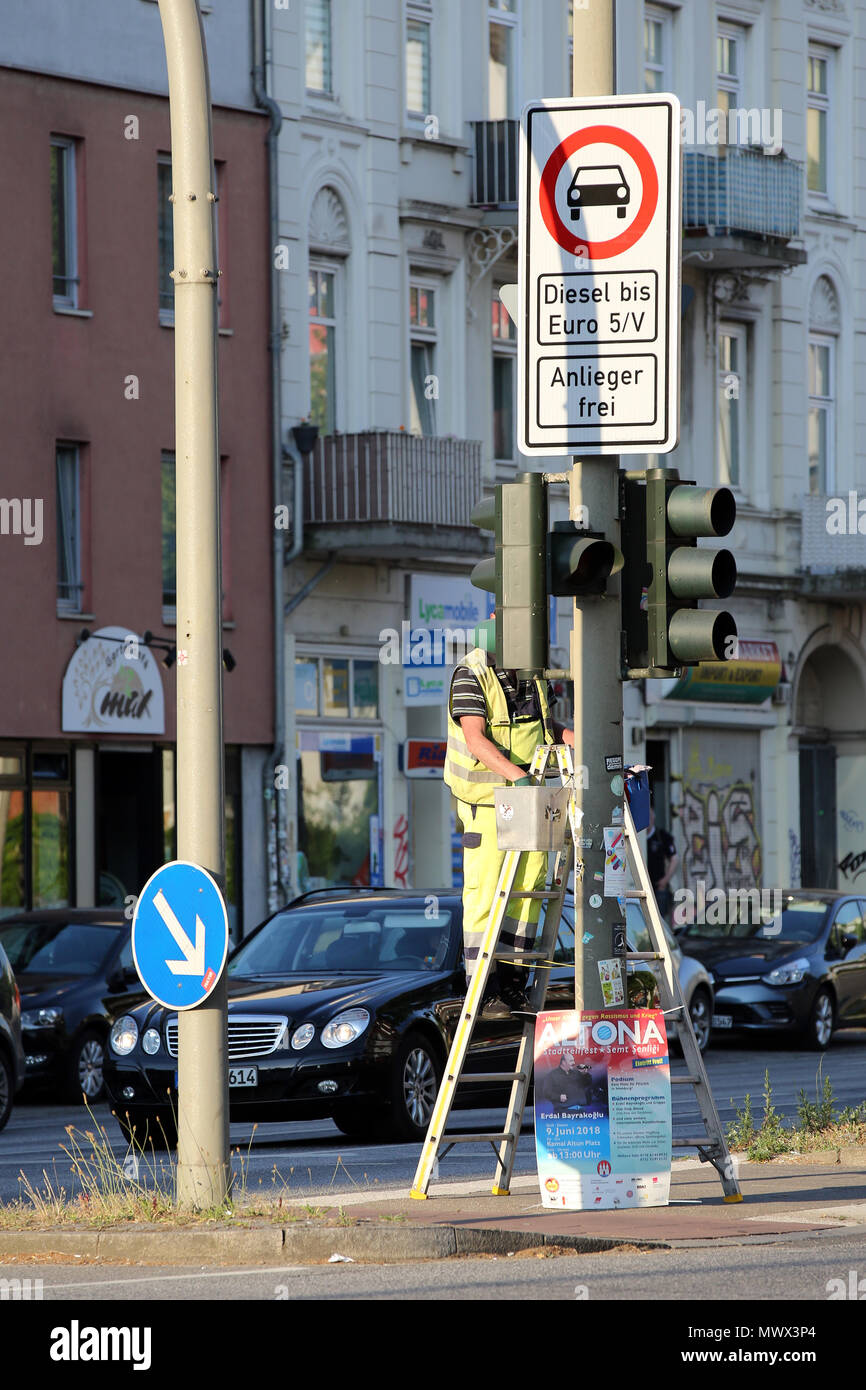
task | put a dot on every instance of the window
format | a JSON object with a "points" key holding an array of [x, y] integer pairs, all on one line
{"points": [[337, 687], [317, 15], [502, 59], [730, 53], [731, 405], [70, 587], [323, 321], [169, 564], [504, 336], [418, 18], [425, 386], [64, 241], [656, 49], [817, 120], [822, 407], [35, 805], [165, 236]]}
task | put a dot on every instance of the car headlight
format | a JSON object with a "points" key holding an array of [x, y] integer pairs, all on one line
{"points": [[124, 1035], [345, 1028], [150, 1041], [621, 192], [304, 1035], [790, 974], [41, 1018]]}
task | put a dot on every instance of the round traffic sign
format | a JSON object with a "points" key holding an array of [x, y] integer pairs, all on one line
{"points": [[180, 934], [613, 246]]}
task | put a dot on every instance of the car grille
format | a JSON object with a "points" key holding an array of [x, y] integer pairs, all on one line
{"points": [[250, 1035]]}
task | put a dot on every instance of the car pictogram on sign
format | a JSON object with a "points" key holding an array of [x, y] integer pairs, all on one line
{"points": [[598, 185]]}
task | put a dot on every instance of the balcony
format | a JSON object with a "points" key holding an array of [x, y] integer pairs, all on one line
{"points": [[494, 173], [741, 208], [832, 547], [392, 494]]}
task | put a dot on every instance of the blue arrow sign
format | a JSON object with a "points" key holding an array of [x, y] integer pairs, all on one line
{"points": [[180, 935]]}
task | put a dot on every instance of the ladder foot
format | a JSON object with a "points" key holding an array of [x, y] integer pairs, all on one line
{"points": [[733, 1197], [419, 1196], [500, 1192]]}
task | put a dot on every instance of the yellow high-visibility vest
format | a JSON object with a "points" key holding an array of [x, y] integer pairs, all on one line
{"points": [[518, 739]]}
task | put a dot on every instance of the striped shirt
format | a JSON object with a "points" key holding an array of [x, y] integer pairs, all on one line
{"points": [[467, 697]]}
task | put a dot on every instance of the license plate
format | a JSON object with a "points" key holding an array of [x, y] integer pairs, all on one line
{"points": [[723, 1021], [243, 1076]]}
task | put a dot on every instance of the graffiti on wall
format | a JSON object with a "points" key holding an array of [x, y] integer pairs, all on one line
{"points": [[719, 841], [401, 850]]}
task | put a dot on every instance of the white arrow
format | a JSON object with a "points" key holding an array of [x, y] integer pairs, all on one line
{"points": [[193, 961]]}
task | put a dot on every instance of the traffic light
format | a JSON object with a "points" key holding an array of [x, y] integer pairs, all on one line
{"points": [[666, 573], [532, 561], [515, 573]]}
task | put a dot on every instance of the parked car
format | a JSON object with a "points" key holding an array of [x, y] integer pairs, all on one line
{"points": [[800, 970], [11, 1047], [694, 978], [75, 970]]}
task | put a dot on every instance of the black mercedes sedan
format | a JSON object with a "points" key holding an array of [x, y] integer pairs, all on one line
{"points": [[11, 1048], [797, 967], [343, 1004], [75, 971]]}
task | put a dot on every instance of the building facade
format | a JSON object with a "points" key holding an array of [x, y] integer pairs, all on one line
{"points": [[87, 701], [397, 215]]}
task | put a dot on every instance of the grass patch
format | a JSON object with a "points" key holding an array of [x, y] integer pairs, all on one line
{"points": [[819, 1125], [103, 1191]]}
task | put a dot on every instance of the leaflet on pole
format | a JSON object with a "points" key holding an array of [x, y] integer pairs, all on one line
{"points": [[180, 935], [599, 276]]}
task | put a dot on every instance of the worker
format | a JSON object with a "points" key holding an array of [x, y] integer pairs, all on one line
{"points": [[495, 724]]}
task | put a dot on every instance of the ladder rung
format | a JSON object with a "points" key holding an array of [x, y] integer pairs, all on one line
{"points": [[478, 1138], [530, 893], [686, 1080], [492, 1076], [705, 1142], [644, 955], [518, 957], [635, 893]]}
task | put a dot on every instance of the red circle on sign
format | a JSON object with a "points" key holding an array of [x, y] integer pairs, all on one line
{"points": [[614, 246]]}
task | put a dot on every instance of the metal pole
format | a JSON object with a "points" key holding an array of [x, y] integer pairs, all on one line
{"points": [[595, 654], [203, 1174]]}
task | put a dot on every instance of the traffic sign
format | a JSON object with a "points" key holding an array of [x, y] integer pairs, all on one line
{"points": [[180, 935], [599, 268]]}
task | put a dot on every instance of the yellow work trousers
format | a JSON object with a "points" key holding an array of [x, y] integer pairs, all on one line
{"points": [[482, 863]]}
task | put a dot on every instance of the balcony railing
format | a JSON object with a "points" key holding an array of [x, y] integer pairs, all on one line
{"points": [[832, 547], [494, 177], [385, 476], [742, 191]]}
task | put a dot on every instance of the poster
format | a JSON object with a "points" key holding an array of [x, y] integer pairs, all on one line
{"points": [[615, 866], [602, 1109]]}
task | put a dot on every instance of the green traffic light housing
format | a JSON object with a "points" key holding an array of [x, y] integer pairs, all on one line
{"points": [[666, 573], [579, 562]]}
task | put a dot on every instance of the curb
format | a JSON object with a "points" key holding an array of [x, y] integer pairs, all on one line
{"points": [[298, 1245]]}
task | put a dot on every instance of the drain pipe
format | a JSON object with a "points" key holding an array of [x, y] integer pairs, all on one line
{"points": [[275, 821]]}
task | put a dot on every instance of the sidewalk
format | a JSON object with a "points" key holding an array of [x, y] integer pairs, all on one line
{"points": [[807, 1196]]}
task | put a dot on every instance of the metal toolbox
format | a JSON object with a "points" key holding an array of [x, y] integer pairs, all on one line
{"points": [[534, 818]]}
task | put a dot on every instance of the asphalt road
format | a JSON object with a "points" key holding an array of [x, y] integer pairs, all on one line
{"points": [[793, 1271], [313, 1158]]}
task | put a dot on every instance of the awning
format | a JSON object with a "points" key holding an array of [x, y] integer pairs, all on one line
{"points": [[749, 679]]}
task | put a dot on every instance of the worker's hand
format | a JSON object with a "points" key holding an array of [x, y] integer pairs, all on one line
{"points": [[568, 738], [524, 782]]}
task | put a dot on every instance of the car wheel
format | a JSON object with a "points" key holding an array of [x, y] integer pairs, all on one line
{"points": [[620, 212], [148, 1129], [822, 1021], [85, 1084], [7, 1086], [415, 1085], [700, 1013]]}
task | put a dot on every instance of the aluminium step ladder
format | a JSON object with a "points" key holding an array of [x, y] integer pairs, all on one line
{"points": [[711, 1147], [438, 1142]]}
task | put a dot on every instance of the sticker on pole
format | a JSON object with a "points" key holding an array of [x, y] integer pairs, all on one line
{"points": [[180, 935], [599, 268]]}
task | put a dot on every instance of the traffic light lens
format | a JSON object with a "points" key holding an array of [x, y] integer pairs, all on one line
{"points": [[702, 636], [694, 573], [701, 511]]}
